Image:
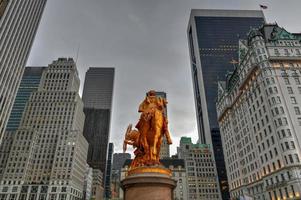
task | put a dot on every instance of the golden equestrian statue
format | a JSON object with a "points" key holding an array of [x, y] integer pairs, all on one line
{"points": [[148, 135]]}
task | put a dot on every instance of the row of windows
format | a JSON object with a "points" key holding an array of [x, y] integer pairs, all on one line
{"points": [[280, 194], [288, 82], [52, 97], [286, 52]]}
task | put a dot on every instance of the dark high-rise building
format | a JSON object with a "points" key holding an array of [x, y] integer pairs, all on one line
{"points": [[97, 98], [213, 42], [108, 175], [119, 159], [29, 83], [96, 132], [98, 88], [19, 21]]}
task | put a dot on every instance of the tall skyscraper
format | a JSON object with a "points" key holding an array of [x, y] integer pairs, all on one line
{"points": [[30, 82], [19, 21], [259, 114], [47, 159], [213, 42], [97, 97], [98, 88], [164, 151]]}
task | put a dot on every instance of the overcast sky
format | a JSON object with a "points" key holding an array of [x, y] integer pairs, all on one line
{"points": [[145, 40]]}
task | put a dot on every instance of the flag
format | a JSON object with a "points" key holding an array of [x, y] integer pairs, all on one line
{"points": [[263, 6]]}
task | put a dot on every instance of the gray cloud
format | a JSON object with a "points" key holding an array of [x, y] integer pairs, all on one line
{"points": [[146, 42]]}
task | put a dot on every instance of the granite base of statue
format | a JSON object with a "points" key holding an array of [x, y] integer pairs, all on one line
{"points": [[148, 183]]}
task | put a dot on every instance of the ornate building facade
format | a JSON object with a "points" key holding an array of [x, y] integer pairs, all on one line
{"points": [[259, 116]]}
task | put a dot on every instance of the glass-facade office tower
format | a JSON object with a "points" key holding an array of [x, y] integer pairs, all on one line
{"points": [[19, 21], [98, 88], [213, 42], [30, 82], [97, 97]]}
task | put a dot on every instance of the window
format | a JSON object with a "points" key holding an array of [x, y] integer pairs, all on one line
{"points": [[297, 110], [286, 81], [290, 90], [291, 158], [289, 134], [293, 100], [297, 158], [286, 146], [297, 81], [299, 121], [292, 188], [293, 145]]}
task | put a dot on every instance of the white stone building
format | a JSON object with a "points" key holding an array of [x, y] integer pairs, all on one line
{"points": [[88, 183], [201, 174], [177, 166], [259, 116], [97, 185], [19, 21], [47, 158]]}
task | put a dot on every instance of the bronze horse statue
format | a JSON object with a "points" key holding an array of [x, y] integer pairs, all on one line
{"points": [[151, 128]]}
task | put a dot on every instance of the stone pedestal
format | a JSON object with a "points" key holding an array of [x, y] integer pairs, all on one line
{"points": [[148, 185]]}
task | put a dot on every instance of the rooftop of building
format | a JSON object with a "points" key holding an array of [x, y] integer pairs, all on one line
{"points": [[34, 70], [185, 140], [226, 13], [101, 69], [270, 32], [201, 146]]}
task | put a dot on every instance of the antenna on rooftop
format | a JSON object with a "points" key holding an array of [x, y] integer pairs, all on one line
{"points": [[77, 53]]}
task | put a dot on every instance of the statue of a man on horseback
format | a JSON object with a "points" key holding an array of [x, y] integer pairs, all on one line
{"points": [[151, 128]]}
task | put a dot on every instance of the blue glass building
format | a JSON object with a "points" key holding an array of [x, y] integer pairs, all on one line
{"points": [[29, 83], [213, 42]]}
